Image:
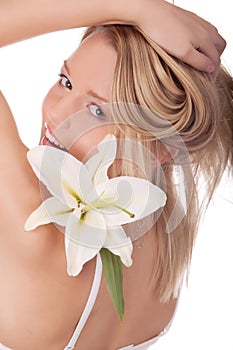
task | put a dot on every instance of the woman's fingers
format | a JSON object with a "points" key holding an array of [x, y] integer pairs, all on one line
{"points": [[203, 61], [220, 44], [205, 56], [183, 34]]}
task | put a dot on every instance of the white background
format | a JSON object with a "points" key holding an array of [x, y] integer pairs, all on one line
{"points": [[203, 319]]}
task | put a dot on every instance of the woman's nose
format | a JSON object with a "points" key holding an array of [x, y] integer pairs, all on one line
{"points": [[63, 109]]}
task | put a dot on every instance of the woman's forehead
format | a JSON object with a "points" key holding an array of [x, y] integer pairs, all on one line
{"points": [[95, 44]]}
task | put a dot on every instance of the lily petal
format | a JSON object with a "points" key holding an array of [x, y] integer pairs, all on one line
{"points": [[83, 240], [98, 164], [136, 196], [51, 210], [119, 244], [61, 173]]}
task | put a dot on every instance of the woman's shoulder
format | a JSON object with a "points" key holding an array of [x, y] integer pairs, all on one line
{"points": [[8, 130], [19, 188], [12, 150]]}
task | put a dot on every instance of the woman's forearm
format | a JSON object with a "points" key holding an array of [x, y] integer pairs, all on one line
{"points": [[22, 19]]}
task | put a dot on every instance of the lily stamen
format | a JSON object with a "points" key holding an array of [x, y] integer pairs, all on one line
{"points": [[131, 215]]}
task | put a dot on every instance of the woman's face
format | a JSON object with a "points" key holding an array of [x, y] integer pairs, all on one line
{"points": [[75, 110]]}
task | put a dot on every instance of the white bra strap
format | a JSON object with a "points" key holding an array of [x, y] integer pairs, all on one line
{"points": [[89, 305]]}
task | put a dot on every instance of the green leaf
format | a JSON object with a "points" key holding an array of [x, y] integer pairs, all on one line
{"points": [[112, 267]]}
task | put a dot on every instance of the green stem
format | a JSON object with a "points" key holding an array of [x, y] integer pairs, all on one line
{"points": [[113, 273]]}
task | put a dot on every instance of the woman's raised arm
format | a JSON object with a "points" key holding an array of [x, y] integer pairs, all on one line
{"points": [[180, 32]]}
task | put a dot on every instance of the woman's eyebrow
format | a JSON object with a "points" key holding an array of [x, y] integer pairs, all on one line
{"points": [[90, 92], [95, 95]]}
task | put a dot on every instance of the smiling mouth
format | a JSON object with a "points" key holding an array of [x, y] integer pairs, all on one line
{"points": [[50, 140]]}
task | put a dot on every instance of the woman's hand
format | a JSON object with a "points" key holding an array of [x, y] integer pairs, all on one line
{"points": [[182, 34]]}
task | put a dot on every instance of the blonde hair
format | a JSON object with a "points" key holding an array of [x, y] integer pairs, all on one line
{"points": [[164, 98]]}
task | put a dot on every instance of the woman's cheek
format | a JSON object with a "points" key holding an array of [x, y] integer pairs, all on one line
{"points": [[86, 145]]}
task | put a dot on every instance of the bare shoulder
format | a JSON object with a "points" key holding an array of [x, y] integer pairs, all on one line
{"points": [[10, 140], [12, 151], [18, 184]]}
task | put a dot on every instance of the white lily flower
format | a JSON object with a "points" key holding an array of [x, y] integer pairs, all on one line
{"points": [[88, 204]]}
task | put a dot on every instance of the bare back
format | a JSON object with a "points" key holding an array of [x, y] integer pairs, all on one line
{"points": [[40, 304]]}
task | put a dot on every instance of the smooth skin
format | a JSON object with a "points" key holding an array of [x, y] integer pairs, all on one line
{"points": [[40, 304]]}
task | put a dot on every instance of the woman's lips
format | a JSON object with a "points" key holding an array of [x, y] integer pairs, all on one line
{"points": [[45, 142], [50, 140]]}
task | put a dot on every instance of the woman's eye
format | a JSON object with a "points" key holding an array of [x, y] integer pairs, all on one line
{"points": [[96, 111], [64, 81]]}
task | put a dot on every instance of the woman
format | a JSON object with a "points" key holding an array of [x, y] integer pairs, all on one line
{"points": [[47, 302]]}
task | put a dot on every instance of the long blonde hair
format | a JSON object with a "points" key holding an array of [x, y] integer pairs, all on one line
{"points": [[164, 98]]}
